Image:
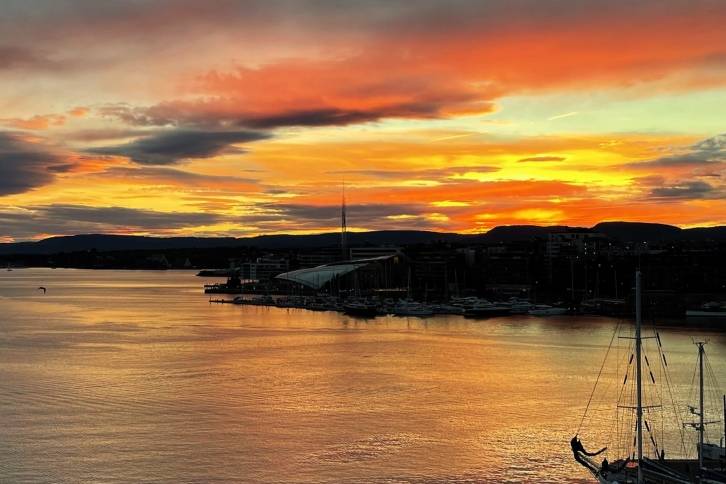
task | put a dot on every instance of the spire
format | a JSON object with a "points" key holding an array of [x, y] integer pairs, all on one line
{"points": [[343, 228]]}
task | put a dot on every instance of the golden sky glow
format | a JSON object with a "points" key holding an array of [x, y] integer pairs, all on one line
{"points": [[241, 118]]}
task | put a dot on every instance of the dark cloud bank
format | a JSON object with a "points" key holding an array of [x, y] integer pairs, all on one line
{"points": [[74, 219], [25, 165], [169, 147]]}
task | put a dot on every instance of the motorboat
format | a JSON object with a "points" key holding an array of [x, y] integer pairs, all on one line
{"points": [[714, 309], [519, 306], [487, 310], [546, 310], [446, 309], [361, 308], [407, 307]]}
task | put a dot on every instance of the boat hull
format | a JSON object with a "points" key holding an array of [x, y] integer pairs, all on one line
{"points": [[702, 313], [361, 311], [487, 312]]}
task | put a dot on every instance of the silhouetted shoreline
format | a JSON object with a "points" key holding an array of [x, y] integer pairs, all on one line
{"points": [[583, 269]]}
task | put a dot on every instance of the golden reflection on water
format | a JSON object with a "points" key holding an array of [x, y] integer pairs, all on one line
{"points": [[133, 376]]}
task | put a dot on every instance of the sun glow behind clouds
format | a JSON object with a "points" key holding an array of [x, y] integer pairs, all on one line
{"points": [[447, 119]]}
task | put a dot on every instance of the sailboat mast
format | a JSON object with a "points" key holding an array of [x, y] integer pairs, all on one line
{"points": [[700, 407], [343, 228], [408, 291], [638, 343]]}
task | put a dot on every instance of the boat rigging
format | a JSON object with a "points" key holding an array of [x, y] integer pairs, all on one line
{"points": [[637, 404]]}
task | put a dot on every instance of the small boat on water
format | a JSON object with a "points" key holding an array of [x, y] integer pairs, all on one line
{"points": [[546, 310], [232, 286], [714, 309], [217, 272], [519, 306], [487, 310], [361, 308], [467, 302], [407, 307], [446, 309]]}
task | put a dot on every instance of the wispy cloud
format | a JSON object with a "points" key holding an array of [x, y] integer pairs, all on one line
{"points": [[565, 115], [439, 174], [454, 136], [541, 158]]}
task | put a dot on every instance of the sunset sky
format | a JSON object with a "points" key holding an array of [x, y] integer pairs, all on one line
{"points": [[241, 118]]}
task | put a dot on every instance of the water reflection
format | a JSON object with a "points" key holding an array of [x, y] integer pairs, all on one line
{"points": [[134, 376]]}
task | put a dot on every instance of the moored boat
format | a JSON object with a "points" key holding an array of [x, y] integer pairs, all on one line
{"points": [[487, 310], [232, 286], [546, 310], [709, 310], [519, 306], [640, 456], [361, 308], [407, 307]]}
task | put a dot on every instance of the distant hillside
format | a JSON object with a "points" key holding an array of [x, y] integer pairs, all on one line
{"points": [[382, 237], [107, 243], [625, 231], [513, 233], [705, 233], [648, 232], [637, 231]]}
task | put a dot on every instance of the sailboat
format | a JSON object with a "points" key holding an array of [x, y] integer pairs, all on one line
{"points": [[409, 307], [635, 466]]}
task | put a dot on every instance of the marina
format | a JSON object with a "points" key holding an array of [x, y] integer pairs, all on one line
{"points": [[472, 307]]}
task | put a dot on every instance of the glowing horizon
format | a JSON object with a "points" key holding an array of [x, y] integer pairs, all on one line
{"points": [[244, 118]]}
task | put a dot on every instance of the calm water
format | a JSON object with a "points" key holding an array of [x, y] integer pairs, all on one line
{"points": [[126, 376]]}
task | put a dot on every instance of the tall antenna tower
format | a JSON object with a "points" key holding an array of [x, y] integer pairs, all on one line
{"points": [[343, 228]]}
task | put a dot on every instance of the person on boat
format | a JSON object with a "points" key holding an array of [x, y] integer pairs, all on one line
{"points": [[578, 451], [605, 467], [577, 448]]}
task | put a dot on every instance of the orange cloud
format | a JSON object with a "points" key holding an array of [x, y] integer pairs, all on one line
{"points": [[38, 122], [44, 121], [453, 70], [79, 111]]}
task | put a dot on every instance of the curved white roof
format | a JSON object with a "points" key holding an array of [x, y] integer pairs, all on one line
{"points": [[317, 277]]}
